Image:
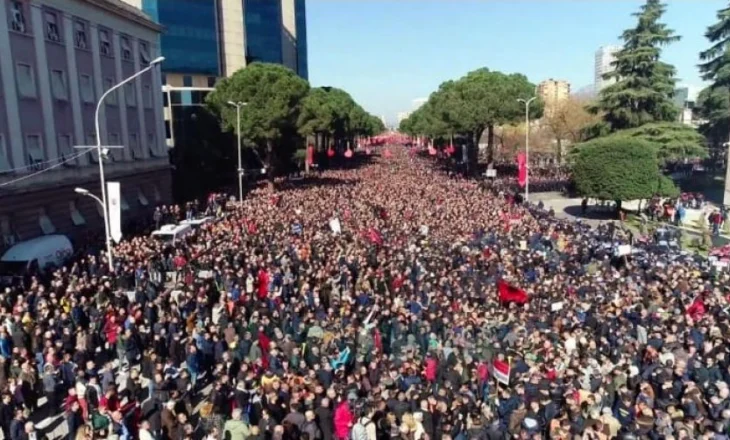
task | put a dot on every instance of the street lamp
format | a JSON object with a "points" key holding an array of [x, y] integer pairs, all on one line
{"points": [[527, 144], [85, 192], [82, 191], [238, 106]]}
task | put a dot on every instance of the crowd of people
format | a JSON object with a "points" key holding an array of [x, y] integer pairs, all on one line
{"points": [[368, 303]]}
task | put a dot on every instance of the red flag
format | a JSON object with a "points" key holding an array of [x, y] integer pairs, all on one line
{"points": [[509, 293], [330, 152], [450, 149], [697, 309], [310, 155], [432, 151], [375, 237], [521, 169], [252, 229], [501, 371], [348, 153]]}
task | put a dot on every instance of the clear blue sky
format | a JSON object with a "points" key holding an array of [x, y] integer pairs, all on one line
{"points": [[387, 53]]}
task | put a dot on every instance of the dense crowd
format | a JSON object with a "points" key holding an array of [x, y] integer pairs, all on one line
{"points": [[363, 304]]}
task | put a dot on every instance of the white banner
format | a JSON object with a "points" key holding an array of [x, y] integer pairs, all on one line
{"points": [[335, 226], [114, 198]]}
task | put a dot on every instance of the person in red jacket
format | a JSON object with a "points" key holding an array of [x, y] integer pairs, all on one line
{"points": [[343, 419]]}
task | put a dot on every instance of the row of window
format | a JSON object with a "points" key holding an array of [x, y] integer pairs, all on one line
{"points": [[45, 223], [59, 87], [53, 32], [35, 159]]}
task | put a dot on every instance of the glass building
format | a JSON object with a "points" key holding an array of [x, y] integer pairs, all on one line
{"points": [[190, 40], [263, 31], [301, 22]]}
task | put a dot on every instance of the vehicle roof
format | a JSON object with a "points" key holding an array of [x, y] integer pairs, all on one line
{"points": [[24, 250], [171, 229], [197, 221]]}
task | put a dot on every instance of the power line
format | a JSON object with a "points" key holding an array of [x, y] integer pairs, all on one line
{"points": [[19, 179]]}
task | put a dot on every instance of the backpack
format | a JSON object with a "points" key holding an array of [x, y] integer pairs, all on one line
{"points": [[359, 431]]}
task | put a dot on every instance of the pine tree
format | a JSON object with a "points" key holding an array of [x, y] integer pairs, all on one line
{"points": [[644, 84], [716, 68]]}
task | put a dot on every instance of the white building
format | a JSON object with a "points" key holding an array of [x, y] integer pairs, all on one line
{"points": [[605, 55]]}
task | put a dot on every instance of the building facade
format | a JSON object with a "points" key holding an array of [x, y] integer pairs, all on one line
{"points": [[604, 58], [553, 92], [57, 58]]}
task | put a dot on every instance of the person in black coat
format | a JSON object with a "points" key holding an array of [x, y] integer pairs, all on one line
{"points": [[74, 420], [7, 412], [17, 426], [325, 419]]}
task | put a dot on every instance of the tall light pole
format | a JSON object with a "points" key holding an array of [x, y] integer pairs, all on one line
{"points": [[154, 62], [238, 106], [527, 144]]}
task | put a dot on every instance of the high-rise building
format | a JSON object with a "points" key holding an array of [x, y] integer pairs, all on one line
{"points": [[553, 92], [206, 39], [57, 59], [605, 56]]}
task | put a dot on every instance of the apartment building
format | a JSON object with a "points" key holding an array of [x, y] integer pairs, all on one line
{"points": [[604, 58], [553, 92], [57, 58]]}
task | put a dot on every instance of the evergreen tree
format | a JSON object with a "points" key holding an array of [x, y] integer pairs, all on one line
{"points": [[715, 67], [644, 84]]}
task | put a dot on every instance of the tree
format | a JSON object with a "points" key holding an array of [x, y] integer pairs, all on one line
{"points": [[273, 94], [713, 103], [618, 168], [713, 106], [672, 141], [644, 85], [569, 122]]}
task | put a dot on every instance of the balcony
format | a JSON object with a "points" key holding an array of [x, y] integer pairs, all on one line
{"points": [[66, 175]]}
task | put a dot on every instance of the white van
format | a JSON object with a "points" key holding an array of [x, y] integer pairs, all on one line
{"points": [[34, 255], [197, 222], [172, 233]]}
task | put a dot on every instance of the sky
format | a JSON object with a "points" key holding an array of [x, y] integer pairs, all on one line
{"points": [[387, 53]]}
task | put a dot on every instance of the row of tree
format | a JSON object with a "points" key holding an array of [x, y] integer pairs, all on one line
{"points": [[283, 112]]}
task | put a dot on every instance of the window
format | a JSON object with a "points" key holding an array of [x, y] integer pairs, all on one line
{"points": [[76, 217], [80, 34], [65, 149], [142, 198], [58, 85], [144, 54], [26, 80], [151, 144], [52, 33], [126, 49], [4, 162], [123, 203], [45, 222], [111, 99], [211, 81], [147, 97], [134, 146], [92, 155], [87, 88], [187, 81], [114, 153], [105, 45], [6, 230], [129, 95], [17, 16], [35, 151]]}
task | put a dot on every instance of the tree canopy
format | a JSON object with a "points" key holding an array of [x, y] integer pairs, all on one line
{"points": [[644, 84], [672, 141], [478, 101], [280, 106], [619, 168]]}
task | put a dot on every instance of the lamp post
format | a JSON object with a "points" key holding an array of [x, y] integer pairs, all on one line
{"points": [[238, 106], [87, 193], [527, 144], [105, 210]]}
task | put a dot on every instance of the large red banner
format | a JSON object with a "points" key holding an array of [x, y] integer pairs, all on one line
{"points": [[521, 169]]}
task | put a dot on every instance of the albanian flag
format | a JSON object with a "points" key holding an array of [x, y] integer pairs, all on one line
{"points": [[697, 309], [508, 294], [521, 169]]}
